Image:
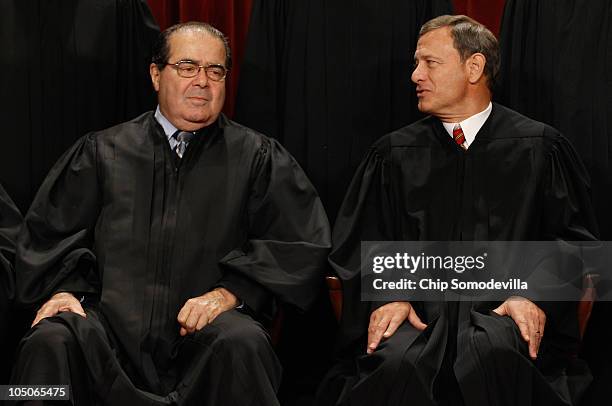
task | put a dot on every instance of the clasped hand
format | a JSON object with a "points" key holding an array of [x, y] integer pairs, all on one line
{"points": [[202, 310], [60, 302]]}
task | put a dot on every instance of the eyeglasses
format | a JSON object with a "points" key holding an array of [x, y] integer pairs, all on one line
{"points": [[189, 69]]}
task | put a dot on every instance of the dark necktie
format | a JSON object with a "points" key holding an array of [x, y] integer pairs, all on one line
{"points": [[183, 138], [459, 137]]}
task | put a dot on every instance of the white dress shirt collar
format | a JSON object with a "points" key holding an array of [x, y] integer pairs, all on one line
{"points": [[470, 125], [169, 128]]}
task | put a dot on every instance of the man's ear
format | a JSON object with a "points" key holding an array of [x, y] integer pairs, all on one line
{"points": [[476, 65], [155, 73]]}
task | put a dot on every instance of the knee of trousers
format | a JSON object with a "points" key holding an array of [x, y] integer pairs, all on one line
{"points": [[495, 351], [392, 356], [242, 338], [47, 336]]}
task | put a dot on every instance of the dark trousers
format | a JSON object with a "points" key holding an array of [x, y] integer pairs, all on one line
{"points": [[229, 362]]}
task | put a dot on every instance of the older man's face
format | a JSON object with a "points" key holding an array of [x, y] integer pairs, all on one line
{"points": [[440, 76], [190, 103]]}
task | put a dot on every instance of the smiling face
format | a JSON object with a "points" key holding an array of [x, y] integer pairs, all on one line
{"points": [[190, 103], [442, 79]]}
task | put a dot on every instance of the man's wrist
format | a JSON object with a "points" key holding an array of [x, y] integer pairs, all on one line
{"points": [[229, 297], [63, 294]]}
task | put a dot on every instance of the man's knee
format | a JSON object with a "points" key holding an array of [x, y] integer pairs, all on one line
{"points": [[238, 334], [47, 335], [497, 350], [394, 353]]}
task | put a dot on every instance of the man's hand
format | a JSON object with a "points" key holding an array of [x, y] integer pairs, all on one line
{"points": [[60, 302], [529, 318], [385, 320], [202, 310]]}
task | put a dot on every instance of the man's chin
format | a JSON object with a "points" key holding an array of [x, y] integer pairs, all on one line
{"points": [[423, 107], [198, 103], [195, 122], [198, 115]]}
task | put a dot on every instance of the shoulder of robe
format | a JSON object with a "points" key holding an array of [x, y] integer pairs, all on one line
{"points": [[508, 123], [418, 134], [544, 140], [236, 132], [136, 129]]}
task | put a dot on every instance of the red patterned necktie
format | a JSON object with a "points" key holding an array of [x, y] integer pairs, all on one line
{"points": [[458, 136]]}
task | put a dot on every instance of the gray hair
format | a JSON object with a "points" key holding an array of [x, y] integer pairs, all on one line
{"points": [[469, 37], [161, 49]]}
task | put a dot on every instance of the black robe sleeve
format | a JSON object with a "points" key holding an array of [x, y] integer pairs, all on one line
{"points": [[54, 250], [367, 214], [288, 236], [568, 216], [10, 222]]}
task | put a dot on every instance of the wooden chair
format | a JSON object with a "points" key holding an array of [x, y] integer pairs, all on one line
{"points": [[335, 294], [585, 306]]}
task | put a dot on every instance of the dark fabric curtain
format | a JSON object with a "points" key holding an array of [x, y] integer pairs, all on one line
{"points": [[229, 16], [69, 67], [557, 68], [329, 78], [487, 12]]}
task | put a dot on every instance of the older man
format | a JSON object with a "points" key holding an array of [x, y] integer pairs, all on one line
{"points": [[472, 170], [156, 245]]}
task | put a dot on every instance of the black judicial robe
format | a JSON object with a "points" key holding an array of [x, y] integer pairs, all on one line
{"points": [[10, 222], [118, 220], [519, 180]]}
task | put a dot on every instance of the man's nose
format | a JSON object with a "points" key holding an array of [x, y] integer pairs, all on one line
{"points": [[201, 79], [417, 74]]}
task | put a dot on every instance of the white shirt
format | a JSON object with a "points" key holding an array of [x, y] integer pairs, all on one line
{"points": [[169, 128], [470, 125]]}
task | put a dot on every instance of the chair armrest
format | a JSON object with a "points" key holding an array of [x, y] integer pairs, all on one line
{"points": [[334, 287]]}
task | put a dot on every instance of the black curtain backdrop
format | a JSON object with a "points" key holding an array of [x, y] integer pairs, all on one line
{"points": [[329, 78], [557, 68], [69, 67]]}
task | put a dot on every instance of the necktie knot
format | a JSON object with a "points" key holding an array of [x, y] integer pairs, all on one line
{"points": [[183, 138], [458, 136]]}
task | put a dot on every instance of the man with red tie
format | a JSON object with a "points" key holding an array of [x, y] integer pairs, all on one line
{"points": [[472, 170]]}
